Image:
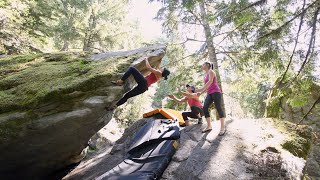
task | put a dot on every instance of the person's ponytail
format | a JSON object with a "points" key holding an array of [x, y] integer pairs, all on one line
{"points": [[211, 66]]}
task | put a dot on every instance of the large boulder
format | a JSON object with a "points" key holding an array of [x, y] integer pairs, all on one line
{"points": [[294, 103], [52, 104]]}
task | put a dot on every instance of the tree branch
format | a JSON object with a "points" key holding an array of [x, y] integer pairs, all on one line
{"points": [[229, 33], [259, 2], [178, 43], [193, 23], [288, 22], [199, 20], [233, 52], [188, 39], [314, 104], [215, 35], [203, 56], [227, 52], [178, 60], [186, 57], [295, 45], [311, 42]]}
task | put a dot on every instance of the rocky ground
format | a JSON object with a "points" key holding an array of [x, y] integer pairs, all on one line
{"points": [[251, 149]]}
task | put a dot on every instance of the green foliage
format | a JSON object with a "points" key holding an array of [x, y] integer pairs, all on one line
{"points": [[50, 25], [300, 93], [183, 71], [189, 4], [296, 95], [252, 95]]}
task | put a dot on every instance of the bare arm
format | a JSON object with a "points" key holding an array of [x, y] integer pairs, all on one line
{"points": [[190, 95], [184, 99], [211, 77], [155, 71]]}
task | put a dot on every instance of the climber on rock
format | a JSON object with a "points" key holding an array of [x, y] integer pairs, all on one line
{"points": [[143, 82], [213, 95], [192, 99]]}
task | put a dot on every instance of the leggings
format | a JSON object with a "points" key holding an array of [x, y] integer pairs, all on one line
{"points": [[195, 110], [216, 98], [139, 89]]}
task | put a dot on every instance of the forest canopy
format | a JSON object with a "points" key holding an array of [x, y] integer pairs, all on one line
{"points": [[257, 47]]}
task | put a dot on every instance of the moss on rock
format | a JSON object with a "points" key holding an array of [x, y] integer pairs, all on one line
{"points": [[299, 138], [36, 79], [298, 146]]}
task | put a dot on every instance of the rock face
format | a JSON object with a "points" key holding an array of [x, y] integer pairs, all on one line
{"points": [[278, 106], [51, 105], [251, 149]]}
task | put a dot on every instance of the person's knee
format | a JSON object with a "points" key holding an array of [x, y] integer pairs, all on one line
{"points": [[187, 123], [184, 116], [221, 114], [206, 109], [206, 112], [130, 68], [201, 113]]}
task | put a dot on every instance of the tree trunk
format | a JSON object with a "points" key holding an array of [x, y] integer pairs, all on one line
{"points": [[65, 46], [211, 49], [87, 44], [66, 33]]}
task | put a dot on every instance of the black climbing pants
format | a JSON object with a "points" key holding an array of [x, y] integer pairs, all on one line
{"points": [[195, 110], [139, 89], [216, 98]]}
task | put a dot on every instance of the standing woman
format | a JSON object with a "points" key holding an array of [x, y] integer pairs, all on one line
{"points": [[213, 95], [143, 82]]}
